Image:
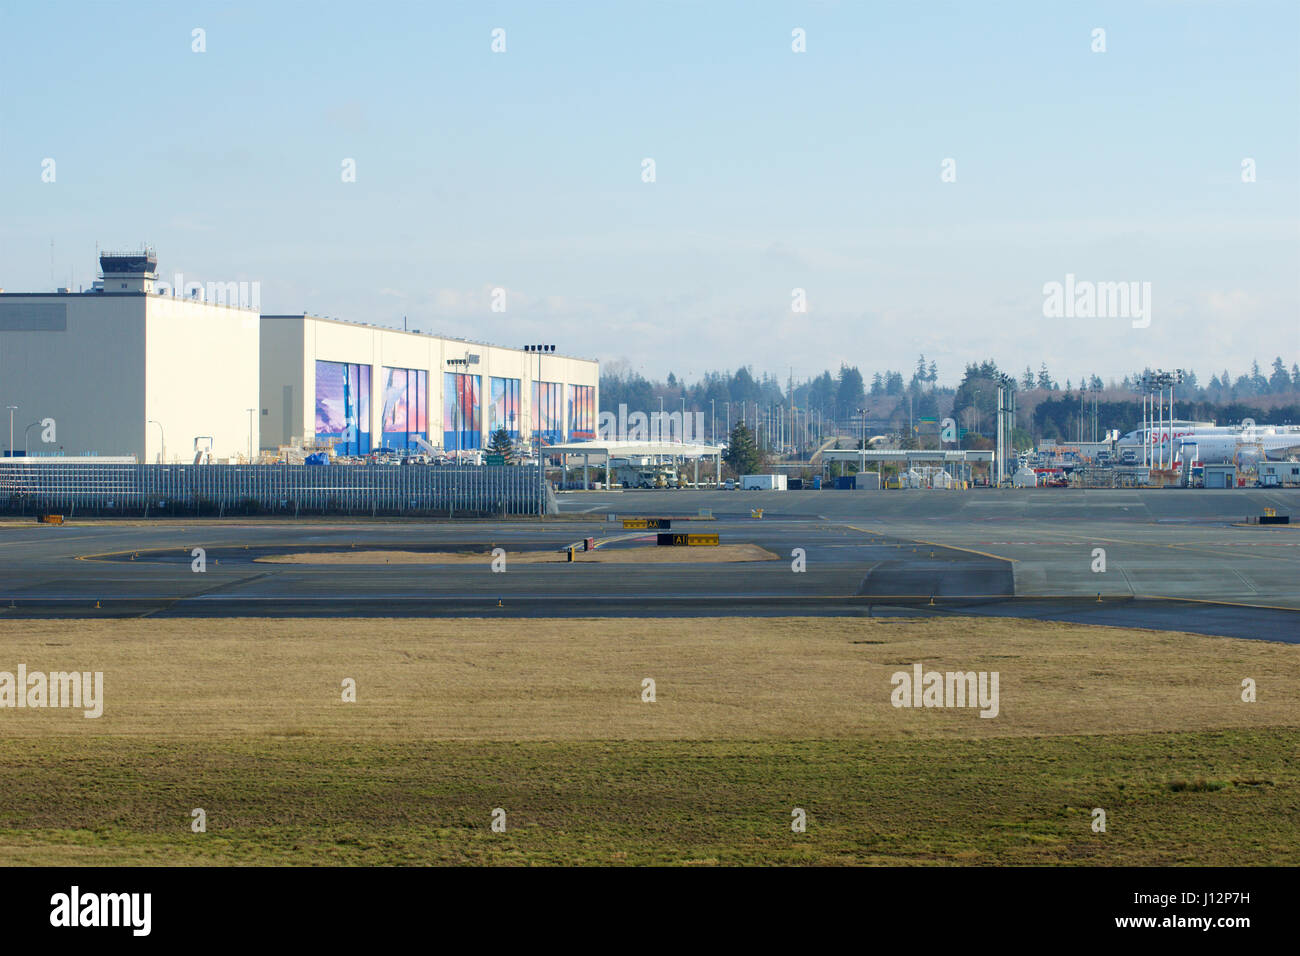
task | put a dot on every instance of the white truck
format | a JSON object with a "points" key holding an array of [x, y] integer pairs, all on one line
{"points": [[762, 483], [643, 473]]}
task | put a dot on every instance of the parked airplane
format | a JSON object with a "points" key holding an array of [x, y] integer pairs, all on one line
{"points": [[1243, 449], [1214, 443]]}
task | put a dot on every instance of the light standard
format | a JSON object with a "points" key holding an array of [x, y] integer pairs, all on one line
{"points": [[250, 433], [713, 421], [25, 431], [541, 471], [12, 409], [862, 440], [162, 457]]}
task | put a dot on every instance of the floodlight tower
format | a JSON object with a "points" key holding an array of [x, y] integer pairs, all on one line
{"points": [[1006, 397], [541, 471]]}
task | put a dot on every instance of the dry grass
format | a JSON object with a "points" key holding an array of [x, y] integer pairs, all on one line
{"points": [[566, 680], [454, 717], [651, 554]]}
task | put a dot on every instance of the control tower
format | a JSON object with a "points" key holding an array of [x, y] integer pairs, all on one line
{"points": [[129, 271]]}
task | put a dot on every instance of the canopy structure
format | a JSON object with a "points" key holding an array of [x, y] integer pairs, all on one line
{"points": [[601, 451], [948, 460], [909, 455]]}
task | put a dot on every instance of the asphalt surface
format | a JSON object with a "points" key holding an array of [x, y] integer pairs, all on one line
{"points": [[1173, 559]]}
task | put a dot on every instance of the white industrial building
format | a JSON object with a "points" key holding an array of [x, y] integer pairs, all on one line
{"points": [[364, 387], [129, 368], [125, 371]]}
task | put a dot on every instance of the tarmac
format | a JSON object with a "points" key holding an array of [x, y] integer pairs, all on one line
{"points": [[1171, 559]]}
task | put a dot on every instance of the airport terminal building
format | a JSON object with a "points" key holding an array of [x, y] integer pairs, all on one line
{"points": [[132, 369]]}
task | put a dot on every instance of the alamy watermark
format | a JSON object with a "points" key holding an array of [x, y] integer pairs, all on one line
{"points": [[75, 908], [652, 426], [77, 689], [922, 688], [1083, 299], [241, 295]]}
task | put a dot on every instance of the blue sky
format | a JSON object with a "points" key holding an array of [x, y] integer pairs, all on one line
{"points": [[774, 171]]}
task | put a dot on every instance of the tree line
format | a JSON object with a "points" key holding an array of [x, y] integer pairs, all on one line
{"points": [[1048, 407]]}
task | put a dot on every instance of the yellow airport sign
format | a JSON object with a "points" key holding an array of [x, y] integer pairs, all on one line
{"points": [[646, 523], [689, 540]]}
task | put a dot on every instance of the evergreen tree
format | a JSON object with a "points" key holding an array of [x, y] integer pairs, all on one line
{"points": [[849, 393], [742, 454], [919, 376], [877, 385], [1027, 380], [1280, 380], [1257, 380], [1044, 379], [501, 445]]}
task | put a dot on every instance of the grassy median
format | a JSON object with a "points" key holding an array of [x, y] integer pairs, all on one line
{"points": [[546, 720]]}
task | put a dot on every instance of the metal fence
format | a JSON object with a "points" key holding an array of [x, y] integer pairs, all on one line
{"points": [[30, 487]]}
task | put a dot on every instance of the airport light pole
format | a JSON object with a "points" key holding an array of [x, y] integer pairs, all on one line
{"points": [[162, 456], [12, 409], [250, 434], [1140, 387], [1158, 382], [862, 439], [1005, 415], [541, 470]]}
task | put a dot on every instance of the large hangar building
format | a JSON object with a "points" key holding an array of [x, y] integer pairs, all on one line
{"points": [[122, 370], [365, 387], [130, 368]]}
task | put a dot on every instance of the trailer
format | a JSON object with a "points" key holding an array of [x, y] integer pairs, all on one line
{"points": [[762, 483]]}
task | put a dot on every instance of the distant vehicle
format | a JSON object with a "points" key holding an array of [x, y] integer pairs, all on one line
{"points": [[638, 475], [762, 483], [729, 485]]}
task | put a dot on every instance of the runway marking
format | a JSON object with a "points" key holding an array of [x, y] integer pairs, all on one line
{"points": [[1266, 607], [1128, 581], [1245, 580], [936, 544], [1183, 547]]}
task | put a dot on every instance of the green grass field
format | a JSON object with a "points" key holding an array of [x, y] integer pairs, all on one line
{"points": [[753, 719], [1203, 798]]}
